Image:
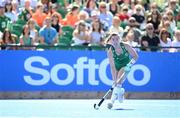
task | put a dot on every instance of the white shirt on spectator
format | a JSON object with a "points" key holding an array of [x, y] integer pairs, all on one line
{"points": [[176, 43], [12, 16], [173, 25], [22, 2], [34, 3], [96, 37], [119, 30], [168, 44], [78, 41]]}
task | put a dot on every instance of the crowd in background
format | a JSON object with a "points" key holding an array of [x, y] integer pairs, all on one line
{"points": [[148, 24]]}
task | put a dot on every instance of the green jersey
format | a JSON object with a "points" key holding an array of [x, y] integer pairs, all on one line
{"points": [[120, 60], [3, 23], [25, 15]]}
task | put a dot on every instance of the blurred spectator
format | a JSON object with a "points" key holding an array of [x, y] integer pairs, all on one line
{"points": [[7, 40], [91, 5], [55, 23], [76, 3], [9, 12], [90, 11], [34, 4], [105, 16], [83, 15], [126, 3], [131, 6], [16, 7], [3, 19], [80, 34], [53, 10], [39, 16], [167, 26], [165, 41], [97, 35], [72, 16], [130, 39], [26, 13], [150, 41], [132, 25], [153, 7], [139, 16], [25, 38], [94, 16], [171, 18], [33, 32], [176, 41], [144, 3], [21, 3], [113, 7], [162, 23], [47, 33], [116, 26], [173, 5], [15, 39], [159, 3], [124, 16], [46, 5], [154, 18]]}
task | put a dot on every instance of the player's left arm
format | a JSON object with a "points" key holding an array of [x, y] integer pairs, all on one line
{"points": [[132, 52]]}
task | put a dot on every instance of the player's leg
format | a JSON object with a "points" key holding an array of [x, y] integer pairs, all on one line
{"points": [[117, 91], [120, 90]]}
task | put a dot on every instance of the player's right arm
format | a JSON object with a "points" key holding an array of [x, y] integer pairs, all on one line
{"points": [[111, 62]]}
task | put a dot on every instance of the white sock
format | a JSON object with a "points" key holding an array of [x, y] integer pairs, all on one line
{"points": [[121, 95], [115, 93], [114, 97]]}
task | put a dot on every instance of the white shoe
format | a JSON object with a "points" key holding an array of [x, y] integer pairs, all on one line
{"points": [[114, 95], [118, 94], [121, 95]]}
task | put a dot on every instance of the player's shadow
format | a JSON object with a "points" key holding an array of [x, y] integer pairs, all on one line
{"points": [[123, 109]]}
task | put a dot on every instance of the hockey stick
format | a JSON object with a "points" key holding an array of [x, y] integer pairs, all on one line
{"points": [[96, 106]]}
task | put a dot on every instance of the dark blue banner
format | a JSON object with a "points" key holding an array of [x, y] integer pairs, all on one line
{"points": [[85, 71]]}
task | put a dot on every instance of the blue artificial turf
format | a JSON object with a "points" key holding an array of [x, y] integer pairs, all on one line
{"points": [[84, 109]]}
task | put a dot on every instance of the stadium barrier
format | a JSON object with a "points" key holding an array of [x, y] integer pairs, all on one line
{"points": [[84, 74]]}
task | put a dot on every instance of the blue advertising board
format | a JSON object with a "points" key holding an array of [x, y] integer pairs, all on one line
{"points": [[85, 71]]}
